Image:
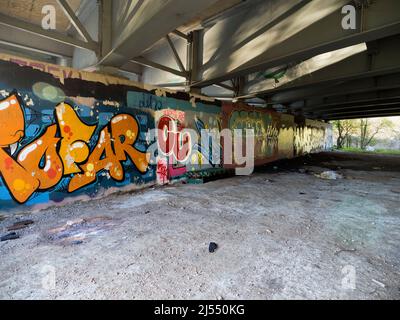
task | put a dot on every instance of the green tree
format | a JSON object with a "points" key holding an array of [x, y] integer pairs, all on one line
{"points": [[368, 130], [344, 130]]}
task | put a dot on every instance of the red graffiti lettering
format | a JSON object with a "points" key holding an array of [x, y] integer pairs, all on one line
{"points": [[172, 141]]}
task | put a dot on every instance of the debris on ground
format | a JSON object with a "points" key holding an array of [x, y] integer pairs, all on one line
{"points": [[329, 175], [379, 283], [269, 231], [344, 250], [10, 236], [212, 247], [162, 254], [20, 225], [76, 231], [302, 170]]}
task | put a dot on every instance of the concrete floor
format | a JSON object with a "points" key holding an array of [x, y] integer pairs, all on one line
{"points": [[283, 233]]}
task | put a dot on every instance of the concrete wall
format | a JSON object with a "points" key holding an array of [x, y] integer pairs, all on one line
{"points": [[68, 135]]}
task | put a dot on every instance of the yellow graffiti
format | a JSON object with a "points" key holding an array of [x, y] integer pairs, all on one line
{"points": [[41, 159], [122, 134], [75, 135]]}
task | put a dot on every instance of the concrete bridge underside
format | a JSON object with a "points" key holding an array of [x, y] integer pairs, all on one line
{"points": [[293, 56]]}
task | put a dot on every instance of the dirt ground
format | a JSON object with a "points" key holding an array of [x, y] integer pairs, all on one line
{"points": [[282, 233]]}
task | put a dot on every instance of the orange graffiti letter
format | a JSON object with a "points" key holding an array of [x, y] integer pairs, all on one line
{"points": [[75, 138], [41, 159], [18, 180], [125, 132], [102, 158]]}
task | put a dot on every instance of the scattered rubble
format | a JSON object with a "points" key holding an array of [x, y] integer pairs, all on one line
{"points": [[295, 261], [329, 175], [10, 236], [302, 170], [76, 231], [379, 283], [20, 225], [344, 250], [212, 247]]}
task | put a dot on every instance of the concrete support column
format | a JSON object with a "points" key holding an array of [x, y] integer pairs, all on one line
{"points": [[105, 27], [64, 62], [195, 61]]}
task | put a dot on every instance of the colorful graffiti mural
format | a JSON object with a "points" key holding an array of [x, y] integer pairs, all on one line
{"points": [[66, 134], [174, 146], [277, 135], [62, 150], [311, 137], [74, 138], [265, 124], [181, 151]]}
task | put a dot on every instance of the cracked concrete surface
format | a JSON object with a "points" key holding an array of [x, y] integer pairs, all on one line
{"points": [[282, 234]]}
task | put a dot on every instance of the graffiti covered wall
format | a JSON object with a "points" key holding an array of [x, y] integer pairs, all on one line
{"points": [[265, 124], [313, 136], [57, 139], [277, 135], [179, 152], [67, 135]]}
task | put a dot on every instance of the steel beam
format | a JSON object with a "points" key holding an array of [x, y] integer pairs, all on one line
{"points": [[289, 75], [372, 106], [133, 68], [196, 55], [105, 26], [151, 64], [374, 114], [347, 88], [299, 37], [356, 67], [153, 21], [175, 53], [181, 34], [172, 84], [352, 103], [195, 58], [31, 49], [360, 110], [224, 86], [75, 21], [52, 35]]}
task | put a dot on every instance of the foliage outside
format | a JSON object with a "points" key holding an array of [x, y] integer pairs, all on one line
{"points": [[379, 135]]}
